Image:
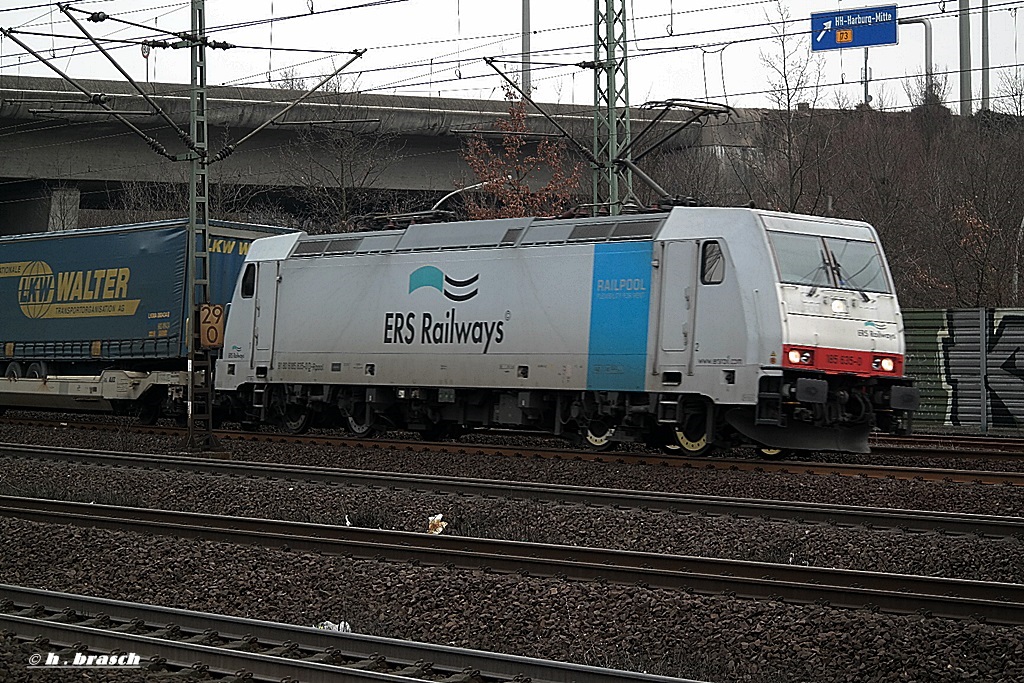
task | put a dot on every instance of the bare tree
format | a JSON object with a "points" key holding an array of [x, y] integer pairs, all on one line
{"points": [[924, 90], [1009, 97], [517, 178], [698, 172], [334, 170], [790, 165], [289, 79], [794, 72]]}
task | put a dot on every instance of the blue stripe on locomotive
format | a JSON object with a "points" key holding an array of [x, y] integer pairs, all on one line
{"points": [[620, 302]]}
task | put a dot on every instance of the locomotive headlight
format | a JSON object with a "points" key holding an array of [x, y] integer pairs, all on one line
{"points": [[883, 364], [798, 357], [838, 306]]}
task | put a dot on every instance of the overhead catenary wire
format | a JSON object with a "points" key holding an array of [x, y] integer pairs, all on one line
{"points": [[182, 134], [642, 54], [227, 150], [746, 122], [153, 143], [659, 51], [418, 43], [738, 94], [411, 81], [588, 46], [42, 5], [723, 77]]}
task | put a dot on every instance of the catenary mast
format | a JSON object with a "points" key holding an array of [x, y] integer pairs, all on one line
{"points": [[611, 105]]}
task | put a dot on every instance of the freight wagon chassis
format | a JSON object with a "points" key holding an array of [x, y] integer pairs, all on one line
{"points": [[117, 391]]}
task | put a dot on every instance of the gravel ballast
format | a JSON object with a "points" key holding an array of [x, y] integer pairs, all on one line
{"points": [[716, 638], [966, 557]]}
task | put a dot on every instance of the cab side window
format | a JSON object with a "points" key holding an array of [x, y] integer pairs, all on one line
{"points": [[712, 263], [249, 281]]}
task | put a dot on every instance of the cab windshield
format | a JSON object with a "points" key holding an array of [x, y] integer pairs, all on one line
{"points": [[828, 262]]}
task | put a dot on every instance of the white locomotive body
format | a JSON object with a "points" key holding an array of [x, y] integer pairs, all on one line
{"points": [[691, 328]]}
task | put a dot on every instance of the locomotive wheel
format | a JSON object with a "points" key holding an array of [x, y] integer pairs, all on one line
{"points": [[598, 437], [358, 423], [690, 439], [436, 431], [769, 453], [297, 419], [13, 371]]}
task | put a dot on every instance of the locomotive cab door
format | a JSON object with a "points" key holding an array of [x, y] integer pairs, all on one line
{"points": [[678, 305], [265, 317]]}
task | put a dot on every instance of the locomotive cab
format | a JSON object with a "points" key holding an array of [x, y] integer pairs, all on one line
{"points": [[837, 371]]}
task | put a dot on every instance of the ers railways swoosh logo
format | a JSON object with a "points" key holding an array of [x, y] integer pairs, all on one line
{"points": [[432, 276]]}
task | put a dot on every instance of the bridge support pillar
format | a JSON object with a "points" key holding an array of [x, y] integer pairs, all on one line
{"points": [[64, 203], [47, 209]]}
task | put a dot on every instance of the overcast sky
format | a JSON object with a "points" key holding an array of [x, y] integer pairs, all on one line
{"points": [[437, 47]]}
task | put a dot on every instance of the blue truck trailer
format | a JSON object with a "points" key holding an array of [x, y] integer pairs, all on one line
{"points": [[96, 319]]}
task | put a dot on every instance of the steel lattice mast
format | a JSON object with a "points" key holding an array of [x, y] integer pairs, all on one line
{"points": [[200, 359], [613, 182]]}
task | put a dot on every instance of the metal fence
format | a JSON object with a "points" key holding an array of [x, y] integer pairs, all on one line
{"points": [[969, 365]]}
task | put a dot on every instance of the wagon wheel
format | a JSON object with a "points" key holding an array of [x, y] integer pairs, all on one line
{"points": [[149, 413], [37, 371], [13, 371]]}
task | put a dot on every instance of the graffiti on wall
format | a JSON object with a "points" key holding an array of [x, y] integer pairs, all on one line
{"points": [[969, 365]]}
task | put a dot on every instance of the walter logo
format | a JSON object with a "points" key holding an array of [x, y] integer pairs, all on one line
{"points": [[432, 276], [43, 293], [35, 289]]}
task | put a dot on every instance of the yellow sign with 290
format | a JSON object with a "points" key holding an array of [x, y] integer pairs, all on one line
{"points": [[97, 293]]}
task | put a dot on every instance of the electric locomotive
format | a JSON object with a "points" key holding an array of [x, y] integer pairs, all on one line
{"points": [[691, 329]]}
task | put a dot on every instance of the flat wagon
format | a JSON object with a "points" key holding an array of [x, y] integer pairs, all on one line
{"points": [[96, 320]]}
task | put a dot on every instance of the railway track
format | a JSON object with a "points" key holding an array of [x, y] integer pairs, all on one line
{"points": [[952, 441], [843, 515], [998, 603], [168, 638], [941, 445], [889, 446]]}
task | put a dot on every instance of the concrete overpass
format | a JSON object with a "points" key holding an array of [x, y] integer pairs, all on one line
{"points": [[59, 154]]}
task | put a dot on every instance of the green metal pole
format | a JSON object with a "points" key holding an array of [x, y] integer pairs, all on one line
{"points": [[611, 104], [200, 359]]}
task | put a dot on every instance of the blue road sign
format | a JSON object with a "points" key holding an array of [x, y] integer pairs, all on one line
{"points": [[863, 27]]}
